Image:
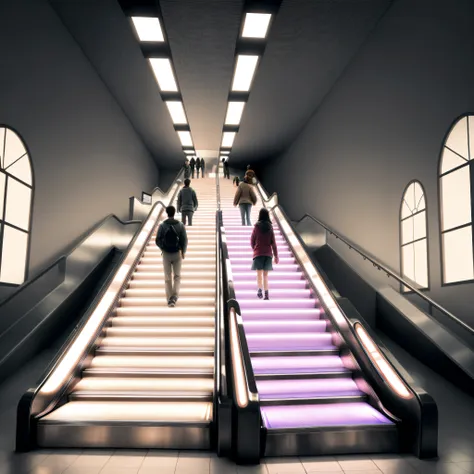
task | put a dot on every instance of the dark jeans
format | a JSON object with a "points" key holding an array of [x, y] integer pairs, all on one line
{"points": [[226, 173], [187, 214], [197, 171], [245, 213], [192, 172]]}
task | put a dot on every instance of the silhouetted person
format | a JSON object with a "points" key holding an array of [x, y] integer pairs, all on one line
{"points": [[173, 241], [225, 165], [187, 202], [187, 170], [203, 167], [198, 166], [192, 164]]}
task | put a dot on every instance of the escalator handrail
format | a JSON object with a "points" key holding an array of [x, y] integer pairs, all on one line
{"points": [[27, 403], [218, 328], [246, 387], [377, 264]]}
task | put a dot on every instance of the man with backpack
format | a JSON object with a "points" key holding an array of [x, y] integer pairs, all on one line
{"points": [[173, 241], [187, 202]]}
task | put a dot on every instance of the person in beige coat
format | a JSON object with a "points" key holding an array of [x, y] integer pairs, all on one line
{"points": [[245, 198]]}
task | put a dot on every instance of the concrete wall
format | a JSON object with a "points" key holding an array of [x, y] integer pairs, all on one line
{"points": [[86, 156], [382, 125]]}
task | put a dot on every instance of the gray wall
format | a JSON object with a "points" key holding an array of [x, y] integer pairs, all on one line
{"points": [[86, 156], [382, 125]]}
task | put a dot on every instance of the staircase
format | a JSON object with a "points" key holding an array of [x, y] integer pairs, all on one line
{"points": [[311, 401], [150, 383]]}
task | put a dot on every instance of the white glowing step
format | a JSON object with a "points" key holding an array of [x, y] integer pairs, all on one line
{"points": [[188, 285], [184, 293], [165, 311], [192, 276], [190, 259], [163, 321], [174, 385], [146, 332], [186, 267], [131, 412], [177, 363], [160, 302], [160, 342]]}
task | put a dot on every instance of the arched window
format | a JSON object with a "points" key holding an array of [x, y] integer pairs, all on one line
{"points": [[16, 195], [414, 232], [456, 175]]}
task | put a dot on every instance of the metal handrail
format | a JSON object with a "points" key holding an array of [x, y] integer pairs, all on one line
{"points": [[390, 273]]}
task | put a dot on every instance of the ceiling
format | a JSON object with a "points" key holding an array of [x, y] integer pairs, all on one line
{"points": [[309, 45]]}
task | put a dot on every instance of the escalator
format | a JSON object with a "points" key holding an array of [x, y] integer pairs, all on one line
{"points": [[313, 376], [146, 377]]}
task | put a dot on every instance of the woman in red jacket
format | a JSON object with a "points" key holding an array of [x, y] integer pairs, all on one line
{"points": [[264, 248]]}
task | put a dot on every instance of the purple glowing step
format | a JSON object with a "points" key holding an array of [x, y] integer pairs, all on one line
{"points": [[238, 260], [271, 314], [284, 267], [297, 364], [289, 326], [277, 303], [247, 252], [247, 285], [307, 388], [272, 276], [271, 342], [308, 416], [293, 293]]}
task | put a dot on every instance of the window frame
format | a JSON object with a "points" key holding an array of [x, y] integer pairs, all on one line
{"points": [[407, 291], [440, 197], [3, 221]]}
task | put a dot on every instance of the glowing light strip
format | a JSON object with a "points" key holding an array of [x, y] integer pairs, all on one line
{"points": [[381, 363], [76, 351], [237, 364]]}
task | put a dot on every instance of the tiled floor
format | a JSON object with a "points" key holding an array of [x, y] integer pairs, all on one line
{"points": [[456, 442]]}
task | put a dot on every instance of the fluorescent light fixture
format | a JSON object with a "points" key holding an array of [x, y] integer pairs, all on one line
{"points": [[164, 74], [225, 152], [148, 28], [176, 110], [234, 113], [256, 25], [228, 138], [189, 152], [185, 138], [244, 72]]}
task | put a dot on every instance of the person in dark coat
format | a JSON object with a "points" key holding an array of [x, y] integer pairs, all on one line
{"points": [[225, 165], [203, 167], [187, 170], [187, 202], [198, 166], [192, 164], [264, 249]]}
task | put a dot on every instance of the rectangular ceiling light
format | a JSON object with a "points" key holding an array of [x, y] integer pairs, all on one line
{"points": [[164, 74], [228, 139], [148, 28], [234, 113], [189, 152], [256, 25], [244, 72], [185, 138], [176, 110], [225, 152]]}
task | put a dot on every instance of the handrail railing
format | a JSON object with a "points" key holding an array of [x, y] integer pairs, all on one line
{"points": [[67, 364], [380, 266]]}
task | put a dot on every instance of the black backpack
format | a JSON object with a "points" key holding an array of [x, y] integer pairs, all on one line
{"points": [[171, 240]]}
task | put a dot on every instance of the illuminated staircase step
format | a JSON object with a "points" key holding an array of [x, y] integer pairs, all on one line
{"points": [[163, 321]]}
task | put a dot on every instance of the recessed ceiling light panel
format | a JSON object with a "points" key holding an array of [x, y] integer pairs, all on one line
{"points": [[148, 29], [228, 139], [176, 110], [189, 152], [256, 25], [234, 113], [185, 138], [164, 74], [225, 152], [244, 72]]}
